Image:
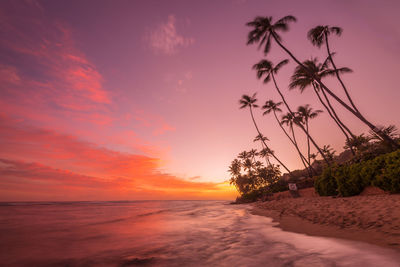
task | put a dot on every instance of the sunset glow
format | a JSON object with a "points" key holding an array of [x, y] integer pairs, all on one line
{"points": [[128, 100]]}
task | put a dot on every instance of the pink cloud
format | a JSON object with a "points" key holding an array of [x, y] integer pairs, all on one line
{"points": [[63, 76], [165, 38], [62, 163]]}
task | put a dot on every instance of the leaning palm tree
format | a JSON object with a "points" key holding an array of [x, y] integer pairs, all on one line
{"points": [[267, 69], [318, 36], [271, 106], [306, 113], [250, 102], [302, 79], [263, 30], [390, 130]]}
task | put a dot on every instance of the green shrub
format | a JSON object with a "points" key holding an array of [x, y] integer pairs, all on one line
{"points": [[351, 178], [326, 184]]}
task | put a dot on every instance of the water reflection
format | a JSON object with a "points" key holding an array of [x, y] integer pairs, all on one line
{"points": [[165, 233]]}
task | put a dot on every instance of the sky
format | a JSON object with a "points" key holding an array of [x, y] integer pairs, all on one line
{"points": [[128, 100]]}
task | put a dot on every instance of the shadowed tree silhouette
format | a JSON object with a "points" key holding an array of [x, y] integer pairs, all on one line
{"points": [[234, 168], [329, 152], [263, 30], [306, 113], [250, 102], [262, 139], [391, 131], [358, 143], [271, 106], [302, 79], [267, 69]]}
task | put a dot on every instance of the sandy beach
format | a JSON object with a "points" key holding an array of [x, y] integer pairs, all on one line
{"points": [[372, 217]]}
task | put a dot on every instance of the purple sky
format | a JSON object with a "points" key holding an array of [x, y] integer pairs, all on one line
{"points": [[162, 80]]}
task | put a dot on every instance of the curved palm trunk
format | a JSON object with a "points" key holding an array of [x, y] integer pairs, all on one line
{"points": [[354, 112], [273, 155], [301, 126], [303, 159], [337, 74], [294, 139], [334, 114], [331, 115]]}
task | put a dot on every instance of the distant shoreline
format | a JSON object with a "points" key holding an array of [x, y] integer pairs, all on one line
{"points": [[373, 219]]}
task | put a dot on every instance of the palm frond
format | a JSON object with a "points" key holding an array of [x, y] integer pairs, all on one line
{"points": [[287, 19], [316, 35], [280, 65], [336, 30]]}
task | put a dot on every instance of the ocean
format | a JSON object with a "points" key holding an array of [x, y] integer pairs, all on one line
{"points": [[165, 233]]}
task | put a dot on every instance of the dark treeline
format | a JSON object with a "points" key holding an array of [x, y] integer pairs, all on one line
{"points": [[250, 176]]}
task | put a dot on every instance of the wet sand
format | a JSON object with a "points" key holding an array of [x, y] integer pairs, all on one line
{"points": [[374, 219]]}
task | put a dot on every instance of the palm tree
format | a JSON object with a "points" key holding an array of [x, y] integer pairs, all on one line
{"points": [[390, 130], [266, 152], [250, 102], [306, 113], [262, 32], [253, 154], [235, 168], [243, 155], [262, 139], [318, 36], [271, 106], [267, 69], [302, 79], [329, 152], [358, 143]]}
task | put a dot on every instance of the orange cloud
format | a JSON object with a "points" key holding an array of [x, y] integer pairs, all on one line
{"points": [[78, 167]]}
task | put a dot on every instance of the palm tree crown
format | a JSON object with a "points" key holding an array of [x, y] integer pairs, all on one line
{"points": [[264, 29], [306, 112], [270, 105], [304, 77], [317, 35], [248, 101], [260, 137], [265, 67]]}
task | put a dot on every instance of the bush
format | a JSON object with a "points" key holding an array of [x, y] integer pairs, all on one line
{"points": [[350, 179], [326, 184]]}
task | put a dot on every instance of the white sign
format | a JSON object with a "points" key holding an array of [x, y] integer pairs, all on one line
{"points": [[292, 187]]}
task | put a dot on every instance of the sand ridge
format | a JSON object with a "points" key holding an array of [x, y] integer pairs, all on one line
{"points": [[369, 218]]}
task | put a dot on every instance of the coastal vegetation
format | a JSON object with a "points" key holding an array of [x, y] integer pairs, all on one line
{"points": [[372, 159]]}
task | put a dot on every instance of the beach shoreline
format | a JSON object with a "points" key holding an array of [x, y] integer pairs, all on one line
{"points": [[374, 219]]}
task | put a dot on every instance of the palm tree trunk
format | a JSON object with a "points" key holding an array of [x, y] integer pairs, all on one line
{"points": [[294, 139], [301, 126], [334, 114], [355, 113], [337, 74], [273, 154], [331, 115], [303, 159], [308, 142], [266, 158]]}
